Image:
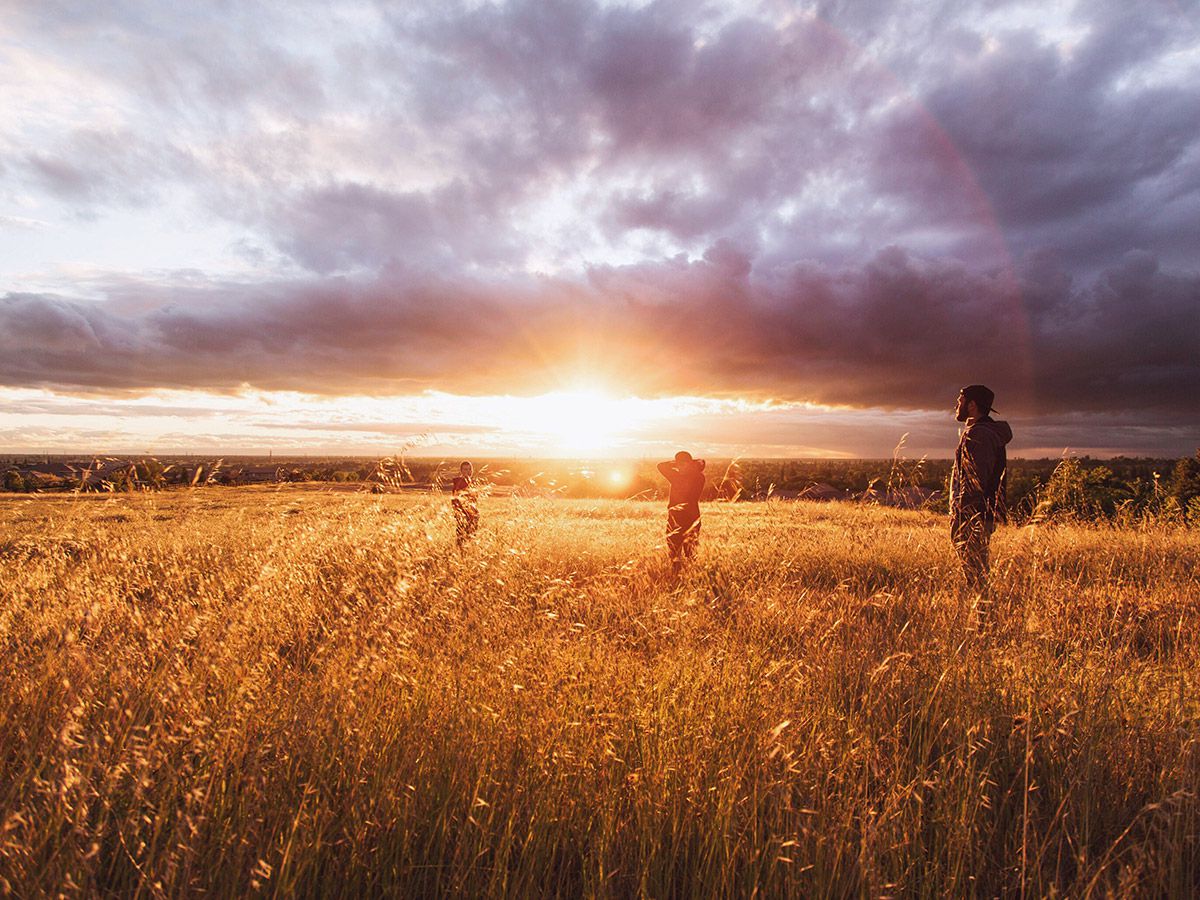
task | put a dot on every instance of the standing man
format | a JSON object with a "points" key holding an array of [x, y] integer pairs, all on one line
{"points": [[465, 503], [683, 506], [977, 484]]}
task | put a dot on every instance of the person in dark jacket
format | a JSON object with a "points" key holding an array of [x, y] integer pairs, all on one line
{"points": [[686, 476], [977, 483], [465, 503]]}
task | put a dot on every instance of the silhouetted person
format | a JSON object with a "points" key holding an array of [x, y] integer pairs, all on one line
{"points": [[683, 506], [977, 485], [465, 503]]}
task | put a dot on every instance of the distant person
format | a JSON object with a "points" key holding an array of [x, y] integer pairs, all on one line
{"points": [[686, 476], [465, 503], [977, 485]]}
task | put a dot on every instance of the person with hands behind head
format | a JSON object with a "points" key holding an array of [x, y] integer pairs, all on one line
{"points": [[686, 476]]}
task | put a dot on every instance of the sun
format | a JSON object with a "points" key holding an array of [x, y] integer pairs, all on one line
{"points": [[586, 422], [583, 422]]}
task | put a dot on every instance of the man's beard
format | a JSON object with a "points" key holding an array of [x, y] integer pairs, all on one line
{"points": [[961, 415]]}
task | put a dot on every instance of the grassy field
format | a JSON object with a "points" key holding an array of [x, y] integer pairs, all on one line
{"points": [[299, 693]]}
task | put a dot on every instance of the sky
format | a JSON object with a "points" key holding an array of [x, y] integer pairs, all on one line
{"points": [[581, 227]]}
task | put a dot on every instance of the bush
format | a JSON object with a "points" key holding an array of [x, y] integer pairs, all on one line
{"points": [[1184, 484], [14, 481], [1080, 494], [1193, 511]]}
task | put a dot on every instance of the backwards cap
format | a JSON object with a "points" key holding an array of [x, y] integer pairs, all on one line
{"points": [[981, 395]]}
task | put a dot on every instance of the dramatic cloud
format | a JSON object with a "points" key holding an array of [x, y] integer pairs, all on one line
{"points": [[896, 333], [844, 203]]}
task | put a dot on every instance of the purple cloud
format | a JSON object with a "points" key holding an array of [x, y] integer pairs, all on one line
{"points": [[898, 332], [858, 206]]}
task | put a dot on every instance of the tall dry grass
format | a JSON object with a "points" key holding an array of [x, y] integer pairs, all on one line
{"points": [[230, 691]]}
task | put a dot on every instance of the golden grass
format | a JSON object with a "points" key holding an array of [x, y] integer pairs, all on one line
{"points": [[311, 694]]}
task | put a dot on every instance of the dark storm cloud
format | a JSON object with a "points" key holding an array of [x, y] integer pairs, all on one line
{"points": [[509, 103], [900, 332], [1072, 149], [530, 90], [709, 126], [1012, 140], [323, 337]]}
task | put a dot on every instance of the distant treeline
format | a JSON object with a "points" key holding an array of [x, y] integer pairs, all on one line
{"points": [[1081, 488]]}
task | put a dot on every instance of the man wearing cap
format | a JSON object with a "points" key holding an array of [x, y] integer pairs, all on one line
{"points": [[977, 483]]}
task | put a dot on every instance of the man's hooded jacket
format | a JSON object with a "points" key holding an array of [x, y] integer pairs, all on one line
{"points": [[977, 484]]}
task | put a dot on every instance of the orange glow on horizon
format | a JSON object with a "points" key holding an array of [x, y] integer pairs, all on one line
{"points": [[584, 422]]}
